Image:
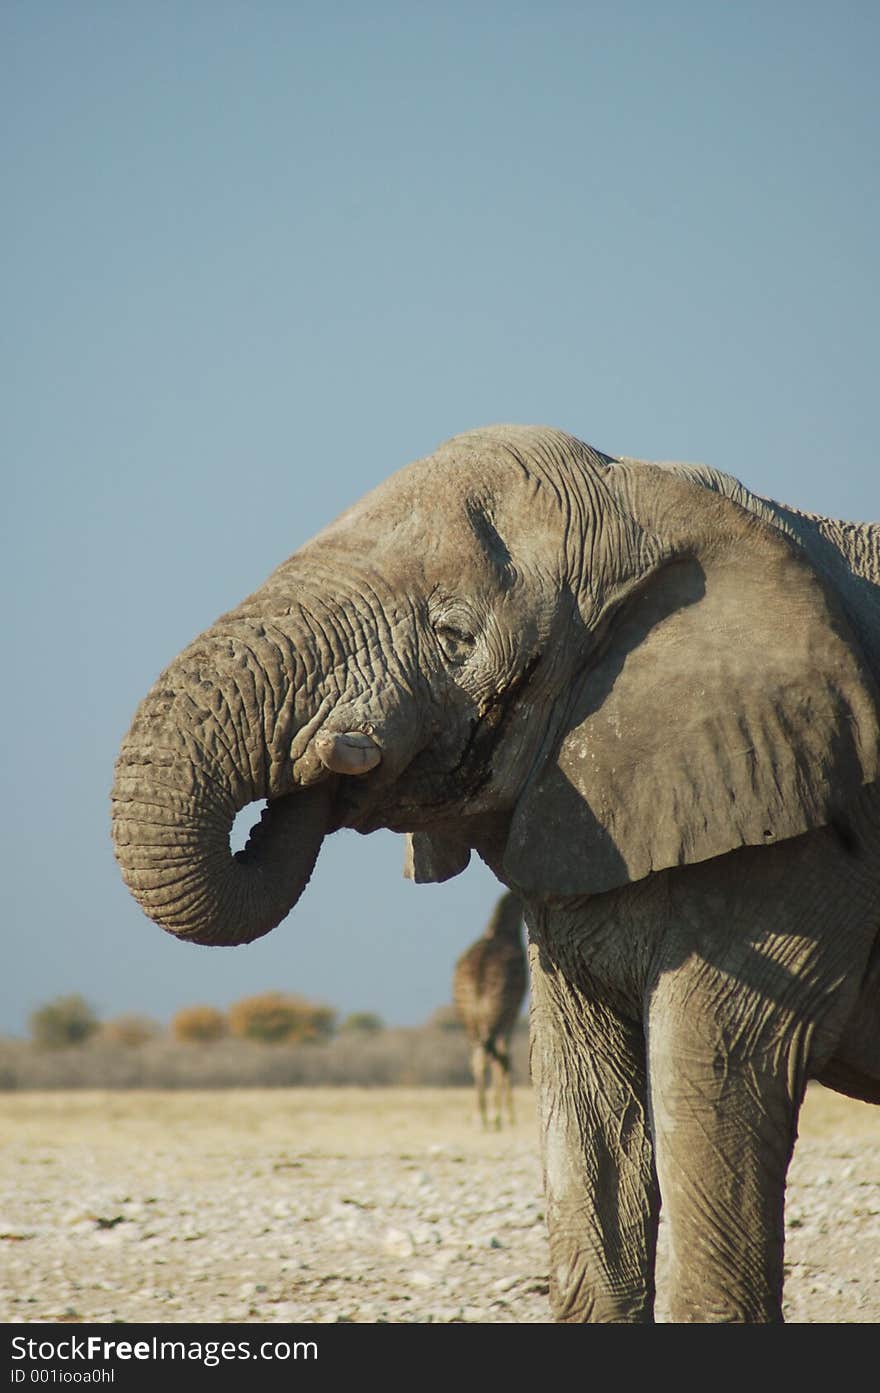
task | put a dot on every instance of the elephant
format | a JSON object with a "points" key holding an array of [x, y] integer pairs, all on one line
{"points": [[648, 699]]}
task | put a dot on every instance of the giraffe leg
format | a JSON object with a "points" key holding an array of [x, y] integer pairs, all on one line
{"points": [[508, 1086], [497, 1077], [503, 1089], [478, 1069]]}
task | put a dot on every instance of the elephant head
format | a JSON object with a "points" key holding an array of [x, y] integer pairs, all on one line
{"points": [[587, 669]]}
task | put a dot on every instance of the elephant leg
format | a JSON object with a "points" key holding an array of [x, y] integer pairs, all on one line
{"points": [[854, 1068], [588, 1068], [750, 996], [724, 1123]]}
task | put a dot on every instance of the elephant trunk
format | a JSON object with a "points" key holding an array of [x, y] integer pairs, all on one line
{"points": [[223, 726]]}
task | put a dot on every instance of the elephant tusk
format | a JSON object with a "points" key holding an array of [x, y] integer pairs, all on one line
{"points": [[348, 753]]}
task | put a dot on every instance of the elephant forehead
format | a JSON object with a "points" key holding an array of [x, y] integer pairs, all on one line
{"points": [[428, 488], [457, 513]]}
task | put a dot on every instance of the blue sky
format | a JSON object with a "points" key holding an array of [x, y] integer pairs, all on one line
{"points": [[257, 256]]}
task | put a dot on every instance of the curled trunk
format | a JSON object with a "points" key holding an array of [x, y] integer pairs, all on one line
{"points": [[221, 729]]}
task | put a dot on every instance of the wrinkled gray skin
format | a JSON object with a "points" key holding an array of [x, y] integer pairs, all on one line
{"points": [[648, 699]]}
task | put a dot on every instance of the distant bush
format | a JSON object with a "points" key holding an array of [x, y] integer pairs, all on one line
{"points": [[130, 1029], [198, 1025], [444, 1018], [365, 1022], [68, 1020], [406, 1056], [275, 1018]]}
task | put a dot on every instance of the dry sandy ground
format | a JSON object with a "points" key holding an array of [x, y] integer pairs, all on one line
{"points": [[319, 1205]]}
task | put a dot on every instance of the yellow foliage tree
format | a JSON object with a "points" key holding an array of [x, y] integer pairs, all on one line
{"points": [[198, 1025], [278, 1018], [131, 1029]]}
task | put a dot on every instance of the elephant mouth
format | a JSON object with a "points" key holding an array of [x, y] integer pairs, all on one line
{"points": [[424, 790], [436, 784]]}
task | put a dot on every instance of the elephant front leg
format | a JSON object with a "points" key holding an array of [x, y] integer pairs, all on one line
{"points": [[724, 1109], [588, 1068]]}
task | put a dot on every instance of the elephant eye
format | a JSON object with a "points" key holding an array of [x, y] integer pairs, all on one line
{"points": [[456, 645]]}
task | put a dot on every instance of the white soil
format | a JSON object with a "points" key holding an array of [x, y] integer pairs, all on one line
{"points": [[320, 1205]]}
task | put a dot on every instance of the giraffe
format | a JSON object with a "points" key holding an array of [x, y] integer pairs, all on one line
{"points": [[488, 986]]}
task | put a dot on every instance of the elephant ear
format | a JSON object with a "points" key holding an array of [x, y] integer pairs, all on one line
{"points": [[729, 706]]}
